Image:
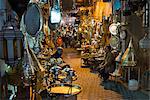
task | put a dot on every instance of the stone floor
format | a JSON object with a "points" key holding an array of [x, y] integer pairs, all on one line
{"points": [[91, 83]]}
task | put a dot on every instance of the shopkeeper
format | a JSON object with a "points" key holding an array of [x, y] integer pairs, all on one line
{"points": [[108, 65]]}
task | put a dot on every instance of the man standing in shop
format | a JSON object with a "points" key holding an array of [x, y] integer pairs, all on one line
{"points": [[108, 65]]}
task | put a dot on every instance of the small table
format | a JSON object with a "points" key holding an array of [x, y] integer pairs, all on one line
{"points": [[129, 66]]}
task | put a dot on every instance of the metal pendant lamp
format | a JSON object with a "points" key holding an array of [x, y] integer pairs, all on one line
{"points": [[145, 42]]}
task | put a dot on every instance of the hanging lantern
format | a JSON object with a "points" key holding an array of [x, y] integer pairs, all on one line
{"points": [[145, 41], [19, 6], [55, 15]]}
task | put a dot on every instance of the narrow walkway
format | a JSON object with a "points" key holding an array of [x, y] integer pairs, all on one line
{"points": [[90, 83]]}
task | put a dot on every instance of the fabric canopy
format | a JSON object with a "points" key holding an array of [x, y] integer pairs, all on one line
{"points": [[102, 9]]}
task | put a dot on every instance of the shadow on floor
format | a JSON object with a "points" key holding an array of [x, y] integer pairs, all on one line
{"points": [[127, 94]]}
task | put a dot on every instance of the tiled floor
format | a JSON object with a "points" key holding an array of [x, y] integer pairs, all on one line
{"points": [[90, 83]]}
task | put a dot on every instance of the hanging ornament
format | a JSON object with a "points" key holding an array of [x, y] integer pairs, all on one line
{"points": [[145, 41]]}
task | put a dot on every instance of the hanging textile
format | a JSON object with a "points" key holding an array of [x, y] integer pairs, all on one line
{"points": [[107, 9], [102, 9], [127, 9], [116, 5]]}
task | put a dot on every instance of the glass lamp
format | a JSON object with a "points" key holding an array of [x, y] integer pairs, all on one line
{"points": [[145, 42]]}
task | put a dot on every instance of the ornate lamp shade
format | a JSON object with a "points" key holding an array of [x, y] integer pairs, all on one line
{"points": [[145, 41], [33, 19], [55, 15]]}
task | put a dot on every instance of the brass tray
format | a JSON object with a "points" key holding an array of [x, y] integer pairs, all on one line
{"points": [[65, 89]]}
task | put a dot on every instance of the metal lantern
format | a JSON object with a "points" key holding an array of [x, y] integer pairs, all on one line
{"points": [[145, 41], [55, 15]]}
